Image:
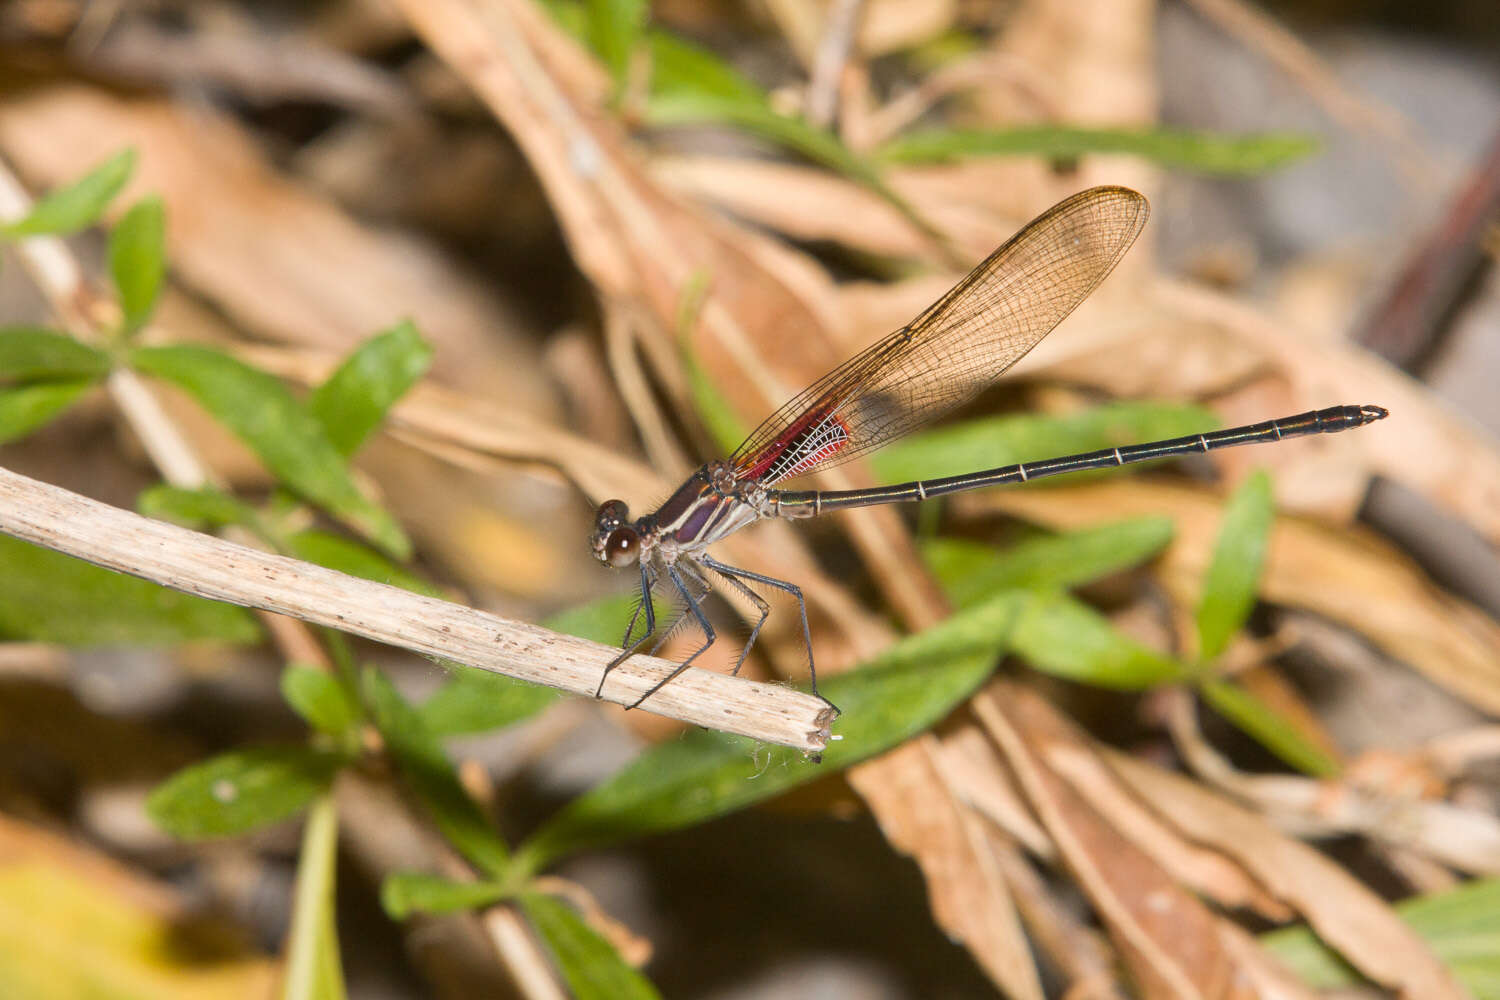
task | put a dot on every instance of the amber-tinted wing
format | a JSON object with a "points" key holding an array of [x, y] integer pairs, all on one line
{"points": [[957, 347]]}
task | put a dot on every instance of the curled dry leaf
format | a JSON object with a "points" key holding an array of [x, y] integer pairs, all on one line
{"points": [[1345, 914], [1168, 939], [1352, 578]]}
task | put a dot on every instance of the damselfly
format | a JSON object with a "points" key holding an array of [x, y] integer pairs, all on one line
{"points": [[941, 359]]}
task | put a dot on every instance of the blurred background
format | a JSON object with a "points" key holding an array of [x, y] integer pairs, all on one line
{"points": [[616, 224]]}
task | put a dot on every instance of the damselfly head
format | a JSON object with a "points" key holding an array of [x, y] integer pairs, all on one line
{"points": [[615, 540]]}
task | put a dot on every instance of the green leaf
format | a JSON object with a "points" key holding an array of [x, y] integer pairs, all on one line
{"points": [[614, 31], [592, 969], [355, 559], [476, 701], [26, 408], [1461, 926], [46, 596], [351, 404], [431, 776], [241, 791], [992, 442], [1205, 152], [77, 206], [1066, 638], [138, 259], [30, 353], [972, 571], [313, 970], [405, 893], [1234, 574], [603, 620], [1263, 724], [706, 774], [200, 508], [318, 697], [263, 414], [678, 66]]}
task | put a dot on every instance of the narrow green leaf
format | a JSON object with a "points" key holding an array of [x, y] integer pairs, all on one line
{"points": [[707, 774], [1205, 152], [603, 620], [678, 66], [318, 697], [428, 771], [262, 413], [313, 970], [1262, 723], [1066, 638], [477, 701], [350, 557], [31, 352], [138, 259], [972, 571], [1234, 574], [200, 508], [26, 408], [78, 205], [46, 596], [405, 893], [1461, 926], [354, 400], [614, 31], [592, 969], [240, 791], [991, 442]]}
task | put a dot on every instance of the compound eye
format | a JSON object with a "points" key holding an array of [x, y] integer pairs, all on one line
{"points": [[622, 547], [611, 513]]}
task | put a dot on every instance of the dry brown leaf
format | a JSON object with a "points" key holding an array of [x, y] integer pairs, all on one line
{"points": [[1079, 952], [1204, 871], [976, 773], [1345, 914], [1351, 577], [918, 814], [1169, 940], [281, 261], [1421, 445]]}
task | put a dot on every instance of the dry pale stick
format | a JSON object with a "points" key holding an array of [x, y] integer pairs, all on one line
{"points": [[201, 564]]}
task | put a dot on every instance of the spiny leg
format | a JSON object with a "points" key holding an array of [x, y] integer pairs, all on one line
{"points": [[761, 606], [628, 648], [703, 623], [790, 588]]}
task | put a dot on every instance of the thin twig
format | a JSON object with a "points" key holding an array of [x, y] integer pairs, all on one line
{"points": [[210, 567], [828, 62]]}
